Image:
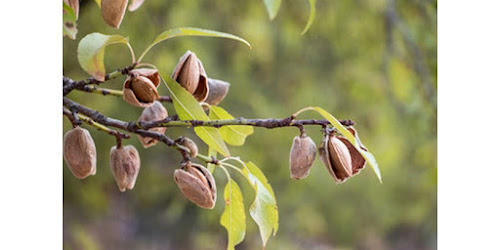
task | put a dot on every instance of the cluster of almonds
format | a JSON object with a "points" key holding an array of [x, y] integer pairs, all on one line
{"points": [[139, 89], [340, 157], [194, 180], [81, 156]]}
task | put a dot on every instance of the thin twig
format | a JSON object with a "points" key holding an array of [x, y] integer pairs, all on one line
{"points": [[104, 91], [69, 84], [79, 117]]}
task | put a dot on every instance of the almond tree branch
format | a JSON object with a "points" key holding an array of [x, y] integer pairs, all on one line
{"points": [[104, 91], [142, 127], [69, 85], [264, 123], [130, 127]]}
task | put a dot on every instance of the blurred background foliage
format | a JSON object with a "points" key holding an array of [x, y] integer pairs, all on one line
{"points": [[368, 60]]}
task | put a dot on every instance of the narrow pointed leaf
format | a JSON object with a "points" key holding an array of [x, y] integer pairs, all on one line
{"points": [[312, 14], [367, 155], [98, 3], [233, 217], [190, 31], [264, 210], [188, 108], [233, 135], [272, 7], [91, 52]]}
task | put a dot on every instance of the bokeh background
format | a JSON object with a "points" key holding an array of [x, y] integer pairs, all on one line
{"points": [[371, 61]]}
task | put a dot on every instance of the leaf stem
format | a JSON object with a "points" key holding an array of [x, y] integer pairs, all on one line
{"points": [[131, 52]]}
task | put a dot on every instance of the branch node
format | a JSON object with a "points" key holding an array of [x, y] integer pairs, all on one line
{"points": [[215, 160]]}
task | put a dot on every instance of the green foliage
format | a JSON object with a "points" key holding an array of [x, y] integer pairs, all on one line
{"points": [[91, 52], [264, 210], [233, 218], [344, 66], [188, 108], [233, 135]]}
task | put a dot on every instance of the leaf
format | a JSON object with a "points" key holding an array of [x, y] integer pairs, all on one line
{"points": [[211, 152], [91, 52], [98, 3], [190, 31], [272, 7], [367, 155], [233, 135], [233, 217], [264, 210], [312, 14], [188, 108], [69, 22]]}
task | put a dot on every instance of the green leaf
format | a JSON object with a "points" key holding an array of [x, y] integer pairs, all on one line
{"points": [[272, 7], [312, 14], [69, 22], [233, 217], [211, 152], [188, 108], [91, 52], [264, 210], [233, 135], [367, 155], [189, 31]]}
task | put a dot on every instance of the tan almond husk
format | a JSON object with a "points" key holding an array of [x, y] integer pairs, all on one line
{"points": [[302, 155], [217, 91], [139, 91], [151, 74], [190, 74], [125, 164], [358, 161], [336, 157], [80, 152], [155, 112], [197, 184], [112, 11]]}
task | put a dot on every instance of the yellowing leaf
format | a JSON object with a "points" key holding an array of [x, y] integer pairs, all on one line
{"points": [[233, 217], [188, 108], [91, 52], [264, 210], [233, 135]]}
